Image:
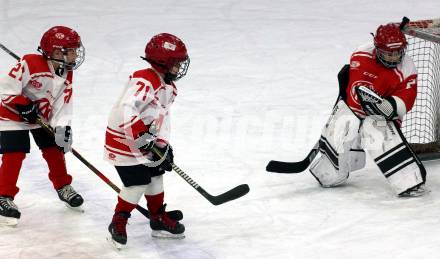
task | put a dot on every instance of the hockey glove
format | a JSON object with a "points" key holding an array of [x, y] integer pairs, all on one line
{"points": [[168, 157], [374, 104], [63, 138], [147, 140], [28, 112]]}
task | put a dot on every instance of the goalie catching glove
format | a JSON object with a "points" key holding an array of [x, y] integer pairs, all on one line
{"points": [[374, 104]]}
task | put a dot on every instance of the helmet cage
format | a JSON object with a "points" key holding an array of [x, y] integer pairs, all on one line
{"points": [[80, 56], [183, 69], [390, 58]]}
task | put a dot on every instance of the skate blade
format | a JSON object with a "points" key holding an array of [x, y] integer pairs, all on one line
{"points": [[114, 244], [166, 235], [77, 209], [8, 221]]}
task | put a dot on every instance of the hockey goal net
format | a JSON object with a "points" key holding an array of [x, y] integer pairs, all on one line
{"points": [[421, 125]]}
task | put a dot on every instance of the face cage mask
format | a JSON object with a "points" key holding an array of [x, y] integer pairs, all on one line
{"points": [[390, 59], [183, 69], [80, 56]]}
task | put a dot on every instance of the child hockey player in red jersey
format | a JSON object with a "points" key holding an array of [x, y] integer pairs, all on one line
{"points": [[139, 120], [39, 86], [380, 89]]}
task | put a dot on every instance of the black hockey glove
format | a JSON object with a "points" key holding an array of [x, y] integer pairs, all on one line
{"points": [[374, 104], [28, 112], [147, 140], [167, 153], [63, 138]]}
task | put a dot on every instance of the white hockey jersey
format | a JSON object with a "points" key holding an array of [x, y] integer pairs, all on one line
{"points": [[145, 101], [33, 78]]}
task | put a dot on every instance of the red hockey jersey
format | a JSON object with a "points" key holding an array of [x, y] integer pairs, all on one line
{"points": [[399, 83], [34, 79]]}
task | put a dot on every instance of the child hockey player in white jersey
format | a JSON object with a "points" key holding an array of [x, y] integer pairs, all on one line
{"points": [[139, 120], [39, 86]]}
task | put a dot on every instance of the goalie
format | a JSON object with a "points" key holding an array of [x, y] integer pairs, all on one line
{"points": [[377, 89]]}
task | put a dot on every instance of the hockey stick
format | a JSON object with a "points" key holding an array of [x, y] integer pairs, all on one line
{"points": [[9, 52], [298, 167], [49, 130], [230, 195], [233, 194], [293, 167]]}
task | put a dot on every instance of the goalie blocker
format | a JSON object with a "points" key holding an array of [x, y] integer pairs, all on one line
{"points": [[343, 142]]}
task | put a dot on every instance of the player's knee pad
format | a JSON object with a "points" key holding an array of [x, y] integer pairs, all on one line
{"points": [[392, 154], [133, 193], [155, 187]]}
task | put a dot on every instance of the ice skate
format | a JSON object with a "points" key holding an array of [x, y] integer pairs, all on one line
{"points": [[71, 198], [163, 226], [117, 229], [415, 192], [9, 213], [176, 215]]}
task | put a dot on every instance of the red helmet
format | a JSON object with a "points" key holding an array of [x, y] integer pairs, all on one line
{"points": [[164, 51], [62, 38], [390, 43]]}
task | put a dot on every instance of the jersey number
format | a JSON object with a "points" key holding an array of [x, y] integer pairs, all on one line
{"points": [[141, 88], [14, 70], [410, 83]]}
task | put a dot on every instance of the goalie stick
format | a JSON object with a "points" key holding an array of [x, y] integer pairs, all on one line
{"points": [[300, 166], [230, 195], [293, 167], [410, 27]]}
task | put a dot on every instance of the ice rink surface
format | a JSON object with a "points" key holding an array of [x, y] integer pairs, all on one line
{"points": [[260, 86]]}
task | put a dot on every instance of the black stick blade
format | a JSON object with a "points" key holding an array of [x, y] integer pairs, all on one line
{"points": [[230, 195], [292, 167], [287, 167]]}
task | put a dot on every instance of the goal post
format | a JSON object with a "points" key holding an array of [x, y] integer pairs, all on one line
{"points": [[421, 126]]}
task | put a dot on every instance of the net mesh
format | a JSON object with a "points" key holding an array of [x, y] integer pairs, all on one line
{"points": [[421, 125]]}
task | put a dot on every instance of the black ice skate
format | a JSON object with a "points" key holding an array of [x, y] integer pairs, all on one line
{"points": [[9, 213], [176, 215], [70, 197], [414, 192], [118, 231], [163, 226]]}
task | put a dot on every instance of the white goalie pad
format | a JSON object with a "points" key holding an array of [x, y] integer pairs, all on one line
{"points": [[338, 138], [387, 146]]}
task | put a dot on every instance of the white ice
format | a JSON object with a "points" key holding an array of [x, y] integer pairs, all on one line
{"points": [[261, 84]]}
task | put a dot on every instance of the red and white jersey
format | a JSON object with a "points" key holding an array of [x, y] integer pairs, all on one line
{"points": [[145, 101], [33, 78], [399, 83]]}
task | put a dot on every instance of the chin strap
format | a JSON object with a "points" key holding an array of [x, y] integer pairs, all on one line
{"points": [[63, 65]]}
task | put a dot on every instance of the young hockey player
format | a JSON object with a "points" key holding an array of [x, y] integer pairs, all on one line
{"points": [[380, 89], [39, 86], [139, 120]]}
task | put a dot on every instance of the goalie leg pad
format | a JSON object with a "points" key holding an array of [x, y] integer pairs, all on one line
{"points": [[326, 174], [338, 137], [386, 144], [357, 156]]}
